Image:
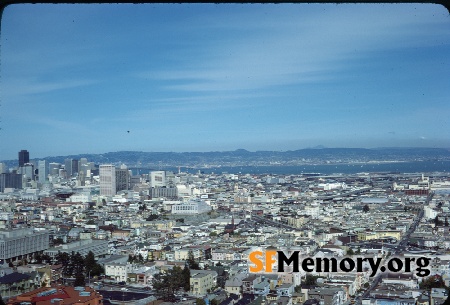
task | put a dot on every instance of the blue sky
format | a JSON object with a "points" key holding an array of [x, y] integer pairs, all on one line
{"points": [[202, 77]]}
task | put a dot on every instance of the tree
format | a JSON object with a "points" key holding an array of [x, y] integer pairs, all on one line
{"points": [[366, 208], [191, 261], [63, 259], [78, 264], [38, 258], [437, 221], [98, 270], [186, 274], [350, 252], [89, 262], [433, 281], [199, 301], [92, 268], [310, 280], [58, 241], [151, 217], [166, 284], [79, 280]]}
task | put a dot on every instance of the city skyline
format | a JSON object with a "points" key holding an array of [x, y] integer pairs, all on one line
{"points": [[204, 77]]}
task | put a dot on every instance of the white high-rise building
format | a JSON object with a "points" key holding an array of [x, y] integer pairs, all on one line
{"points": [[43, 170], [83, 161], [107, 180], [157, 178], [53, 168], [27, 170], [2, 168]]}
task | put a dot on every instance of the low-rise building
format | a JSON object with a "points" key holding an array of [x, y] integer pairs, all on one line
{"points": [[98, 247], [59, 295], [202, 281]]}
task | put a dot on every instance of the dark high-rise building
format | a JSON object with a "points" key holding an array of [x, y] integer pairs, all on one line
{"points": [[122, 178], [24, 157], [75, 166], [10, 180]]}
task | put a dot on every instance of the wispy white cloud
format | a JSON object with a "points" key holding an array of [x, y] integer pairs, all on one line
{"points": [[312, 48], [26, 86]]}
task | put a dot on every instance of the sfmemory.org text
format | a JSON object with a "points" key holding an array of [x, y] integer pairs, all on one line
{"points": [[264, 261]]}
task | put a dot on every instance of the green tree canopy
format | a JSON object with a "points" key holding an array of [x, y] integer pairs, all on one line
{"points": [[199, 301], [186, 274], [79, 280], [432, 282], [310, 280], [168, 283], [191, 261]]}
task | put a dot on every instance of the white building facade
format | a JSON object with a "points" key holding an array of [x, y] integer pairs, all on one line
{"points": [[107, 180], [192, 207]]}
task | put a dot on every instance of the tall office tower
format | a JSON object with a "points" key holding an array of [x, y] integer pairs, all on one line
{"points": [[68, 167], [75, 166], [85, 169], [10, 180], [81, 178], [2, 168], [83, 161], [122, 178], [107, 180], [27, 170], [157, 178], [53, 168], [43, 170], [24, 157]]}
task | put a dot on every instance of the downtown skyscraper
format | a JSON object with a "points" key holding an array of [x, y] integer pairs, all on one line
{"points": [[107, 180], [24, 157]]}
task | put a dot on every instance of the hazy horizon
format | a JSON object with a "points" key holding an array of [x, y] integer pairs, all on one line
{"points": [[32, 157], [103, 78]]}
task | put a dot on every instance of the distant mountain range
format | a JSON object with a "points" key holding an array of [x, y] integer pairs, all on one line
{"points": [[240, 157]]}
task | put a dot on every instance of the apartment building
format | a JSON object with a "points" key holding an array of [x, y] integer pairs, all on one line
{"points": [[18, 243], [202, 280]]}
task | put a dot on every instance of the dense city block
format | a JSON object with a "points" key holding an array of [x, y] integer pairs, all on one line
{"points": [[108, 234]]}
